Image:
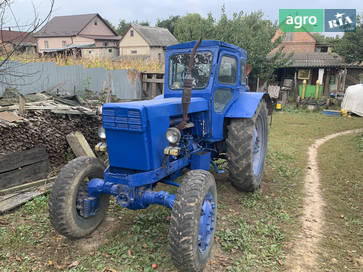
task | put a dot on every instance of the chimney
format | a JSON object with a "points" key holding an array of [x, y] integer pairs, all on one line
{"points": [[9, 28]]}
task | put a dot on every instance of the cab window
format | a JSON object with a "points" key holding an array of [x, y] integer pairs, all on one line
{"points": [[243, 72], [227, 70]]}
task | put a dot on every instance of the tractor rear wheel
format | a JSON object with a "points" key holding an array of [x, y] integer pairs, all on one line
{"points": [[68, 192], [247, 148], [193, 221]]}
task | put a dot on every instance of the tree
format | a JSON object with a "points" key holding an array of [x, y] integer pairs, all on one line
{"points": [[248, 31], [350, 46], [193, 27], [168, 23]]}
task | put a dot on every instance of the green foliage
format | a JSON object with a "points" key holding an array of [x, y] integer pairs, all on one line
{"points": [[248, 31], [168, 23], [322, 39], [351, 45]]}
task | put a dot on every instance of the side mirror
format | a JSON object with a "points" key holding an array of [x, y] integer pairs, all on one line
{"points": [[249, 69]]}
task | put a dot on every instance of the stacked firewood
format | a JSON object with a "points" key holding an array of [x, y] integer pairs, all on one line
{"points": [[45, 128]]}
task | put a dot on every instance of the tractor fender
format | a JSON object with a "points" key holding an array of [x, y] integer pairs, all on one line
{"points": [[246, 104]]}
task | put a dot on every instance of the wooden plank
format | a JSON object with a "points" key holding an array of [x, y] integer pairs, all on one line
{"points": [[21, 187], [153, 80], [15, 160], [9, 203], [79, 144], [35, 171]]}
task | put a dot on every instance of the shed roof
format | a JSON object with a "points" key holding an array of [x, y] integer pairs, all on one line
{"points": [[71, 25], [155, 36], [316, 59], [16, 37]]}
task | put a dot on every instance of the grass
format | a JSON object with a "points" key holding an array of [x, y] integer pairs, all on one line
{"points": [[342, 181], [254, 231]]}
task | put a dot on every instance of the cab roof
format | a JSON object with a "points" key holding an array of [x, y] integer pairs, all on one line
{"points": [[206, 43]]}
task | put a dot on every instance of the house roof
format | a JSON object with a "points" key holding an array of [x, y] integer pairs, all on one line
{"points": [[155, 36], [16, 37], [102, 37], [71, 25], [316, 59]]}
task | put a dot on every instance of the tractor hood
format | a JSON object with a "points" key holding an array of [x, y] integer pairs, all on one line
{"points": [[135, 131]]}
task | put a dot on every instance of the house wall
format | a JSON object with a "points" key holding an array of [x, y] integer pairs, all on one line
{"points": [[100, 43], [99, 29], [99, 53], [157, 53], [136, 43], [53, 42]]}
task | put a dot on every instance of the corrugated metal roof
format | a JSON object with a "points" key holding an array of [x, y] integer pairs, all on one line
{"points": [[155, 36], [316, 59]]}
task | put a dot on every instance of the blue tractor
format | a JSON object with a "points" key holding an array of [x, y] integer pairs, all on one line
{"points": [[206, 113]]}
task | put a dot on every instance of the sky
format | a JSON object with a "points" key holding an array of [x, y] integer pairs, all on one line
{"points": [[151, 10]]}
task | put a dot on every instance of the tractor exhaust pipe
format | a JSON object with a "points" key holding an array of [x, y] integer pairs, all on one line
{"points": [[187, 90]]}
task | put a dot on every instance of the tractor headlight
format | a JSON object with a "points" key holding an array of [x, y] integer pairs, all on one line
{"points": [[173, 135], [101, 132]]}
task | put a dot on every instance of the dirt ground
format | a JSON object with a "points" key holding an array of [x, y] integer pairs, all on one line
{"points": [[255, 231], [306, 247]]}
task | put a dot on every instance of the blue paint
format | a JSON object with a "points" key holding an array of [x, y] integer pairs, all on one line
{"points": [[207, 223], [135, 135], [245, 106], [201, 160]]}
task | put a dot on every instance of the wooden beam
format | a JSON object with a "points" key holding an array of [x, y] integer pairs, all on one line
{"points": [[9, 202], [79, 144], [35, 171], [26, 186], [17, 160]]}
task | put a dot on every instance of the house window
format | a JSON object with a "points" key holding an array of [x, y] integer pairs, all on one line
{"points": [[89, 52], [110, 50], [133, 51], [46, 44], [105, 43], [64, 43], [131, 33], [95, 22]]}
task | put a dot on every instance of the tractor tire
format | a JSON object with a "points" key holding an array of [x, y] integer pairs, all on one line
{"points": [[71, 181], [246, 149], [193, 221]]}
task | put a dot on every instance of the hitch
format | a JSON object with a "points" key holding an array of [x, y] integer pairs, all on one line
{"points": [[134, 198]]}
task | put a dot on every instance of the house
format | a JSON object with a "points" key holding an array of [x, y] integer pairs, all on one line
{"points": [[310, 61], [86, 35], [22, 42], [146, 41]]}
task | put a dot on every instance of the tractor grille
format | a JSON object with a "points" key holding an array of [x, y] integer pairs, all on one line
{"points": [[123, 119]]}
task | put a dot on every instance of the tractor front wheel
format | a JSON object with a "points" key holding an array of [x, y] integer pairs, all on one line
{"points": [[247, 148], [193, 221], [68, 193]]}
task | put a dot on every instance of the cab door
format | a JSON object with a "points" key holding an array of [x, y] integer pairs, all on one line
{"points": [[225, 89]]}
